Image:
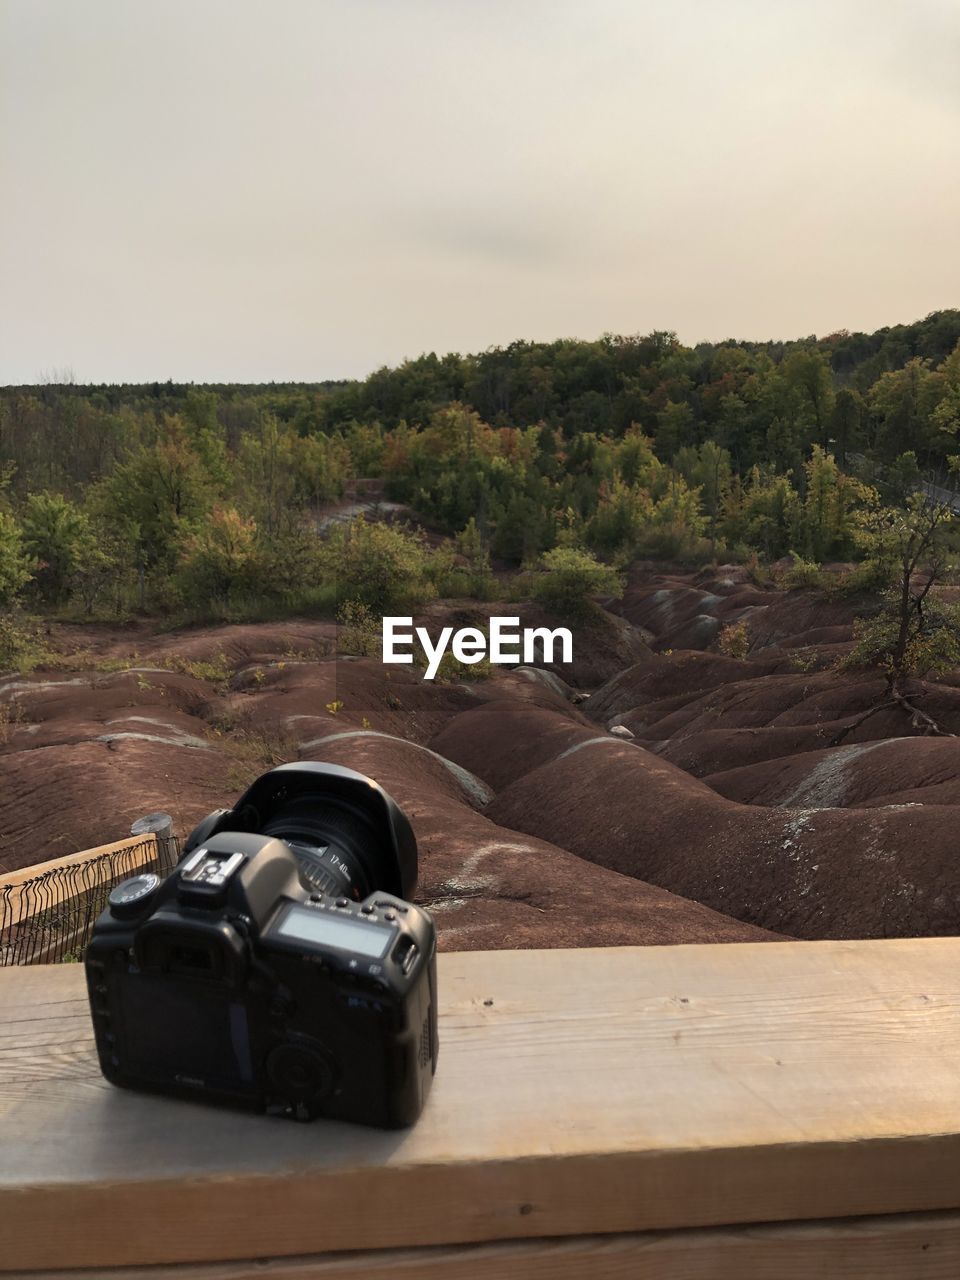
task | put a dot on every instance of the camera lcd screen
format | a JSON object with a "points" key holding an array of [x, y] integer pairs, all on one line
{"points": [[179, 1029], [305, 925]]}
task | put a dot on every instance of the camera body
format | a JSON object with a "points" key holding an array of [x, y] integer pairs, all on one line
{"points": [[239, 980]]}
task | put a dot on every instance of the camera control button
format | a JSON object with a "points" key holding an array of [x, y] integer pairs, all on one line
{"points": [[342, 902], [390, 915], [367, 911], [301, 1073]]}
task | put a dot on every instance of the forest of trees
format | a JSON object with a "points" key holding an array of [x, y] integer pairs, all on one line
{"points": [[203, 500]]}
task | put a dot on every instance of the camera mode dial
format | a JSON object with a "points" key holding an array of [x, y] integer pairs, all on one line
{"points": [[128, 897]]}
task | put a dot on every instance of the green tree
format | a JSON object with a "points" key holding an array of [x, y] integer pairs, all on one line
{"points": [[674, 429], [15, 564], [472, 545], [946, 415], [807, 374], [58, 535], [154, 499], [902, 477], [913, 633], [902, 403], [846, 421], [206, 435], [708, 469]]}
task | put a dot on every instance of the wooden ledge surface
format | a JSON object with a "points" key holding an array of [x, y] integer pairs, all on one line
{"points": [[579, 1092], [920, 1246]]}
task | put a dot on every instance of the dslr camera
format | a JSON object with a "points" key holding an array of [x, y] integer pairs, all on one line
{"points": [[280, 966]]}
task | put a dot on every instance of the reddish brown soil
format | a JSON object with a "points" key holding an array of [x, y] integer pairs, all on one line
{"points": [[920, 771], [810, 873], [758, 796]]}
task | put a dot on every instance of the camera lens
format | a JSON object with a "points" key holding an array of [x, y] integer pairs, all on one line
{"points": [[349, 837], [330, 845]]}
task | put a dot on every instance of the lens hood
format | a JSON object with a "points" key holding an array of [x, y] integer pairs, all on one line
{"points": [[316, 802]]}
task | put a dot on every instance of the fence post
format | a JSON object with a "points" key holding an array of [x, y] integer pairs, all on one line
{"points": [[159, 825]]}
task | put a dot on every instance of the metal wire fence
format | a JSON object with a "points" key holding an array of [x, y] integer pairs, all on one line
{"points": [[48, 918]]}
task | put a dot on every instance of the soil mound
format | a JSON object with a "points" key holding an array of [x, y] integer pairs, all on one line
{"points": [[296, 698], [502, 740], [63, 798], [850, 776], [490, 887], [669, 675], [804, 872], [791, 615]]}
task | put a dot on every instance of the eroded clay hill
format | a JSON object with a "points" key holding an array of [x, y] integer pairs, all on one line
{"points": [[656, 791]]}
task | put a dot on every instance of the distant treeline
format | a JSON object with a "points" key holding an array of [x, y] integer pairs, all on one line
{"points": [[172, 495]]}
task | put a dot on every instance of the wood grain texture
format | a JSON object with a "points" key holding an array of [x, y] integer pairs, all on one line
{"points": [[579, 1092], [910, 1247]]}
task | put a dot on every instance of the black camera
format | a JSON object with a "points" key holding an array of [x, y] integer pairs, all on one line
{"points": [[280, 965]]}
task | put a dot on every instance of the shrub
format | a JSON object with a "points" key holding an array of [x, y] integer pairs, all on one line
{"points": [[219, 561], [932, 649], [734, 640], [673, 540], [802, 573], [359, 631], [872, 577], [291, 565], [450, 669], [379, 565], [569, 577], [20, 646]]}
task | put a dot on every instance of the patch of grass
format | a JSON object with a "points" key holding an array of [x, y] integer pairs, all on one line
{"points": [[458, 584], [451, 670], [216, 669], [252, 748], [12, 714], [803, 659], [318, 601], [319, 652], [22, 646]]}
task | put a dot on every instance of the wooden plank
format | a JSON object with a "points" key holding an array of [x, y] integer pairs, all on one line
{"points": [[23, 902], [908, 1247], [579, 1092], [72, 859]]}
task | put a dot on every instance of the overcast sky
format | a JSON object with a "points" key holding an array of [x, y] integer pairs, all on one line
{"points": [[308, 189]]}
